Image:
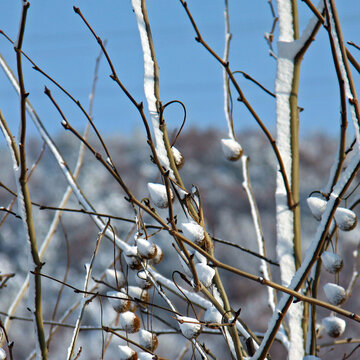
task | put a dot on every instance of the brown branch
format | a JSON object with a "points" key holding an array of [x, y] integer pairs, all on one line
{"points": [[272, 262], [354, 45], [354, 100], [343, 113], [25, 198], [248, 77]]}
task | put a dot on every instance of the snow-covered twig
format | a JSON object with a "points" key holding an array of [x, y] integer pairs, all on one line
{"points": [[264, 267], [151, 78], [226, 87]]}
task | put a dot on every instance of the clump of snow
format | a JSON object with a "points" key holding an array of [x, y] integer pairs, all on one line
{"points": [[114, 278], [138, 293], [334, 326], [317, 206], [189, 327], [121, 303], [158, 195], [212, 315], [146, 249], [145, 356], [199, 257], [205, 273], [181, 192], [232, 149], [126, 353], [158, 256], [178, 158], [129, 322], [148, 340], [345, 219], [311, 357], [333, 263], [142, 280], [2, 354], [131, 258], [194, 232], [334, 293]]}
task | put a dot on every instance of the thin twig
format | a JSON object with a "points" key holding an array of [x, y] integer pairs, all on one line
{"points": [[225, 242], [24, 199]]}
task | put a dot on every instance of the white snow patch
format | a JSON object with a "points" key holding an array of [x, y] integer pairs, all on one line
{"points": [[285, 20], [147, 339], [346, 219], [158, 195], [333, 263], [317, 206], [2, 354], [231, 149], [194, 232], [335, 293], [189, 327], [131, 257], [115, 278], [145, 356], [334, 326], [137, 293], [178, 158], [129, 321], [205, 273], [121, 303], [145, 248], [126, 353], [212, 315]]}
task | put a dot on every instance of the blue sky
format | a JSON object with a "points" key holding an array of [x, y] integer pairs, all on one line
{"points": [[57, 40]]}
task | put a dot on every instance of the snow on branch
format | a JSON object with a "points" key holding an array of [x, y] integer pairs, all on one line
{"points": [[264, 268], [151, 78], [285, 227], [226, 87]]}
